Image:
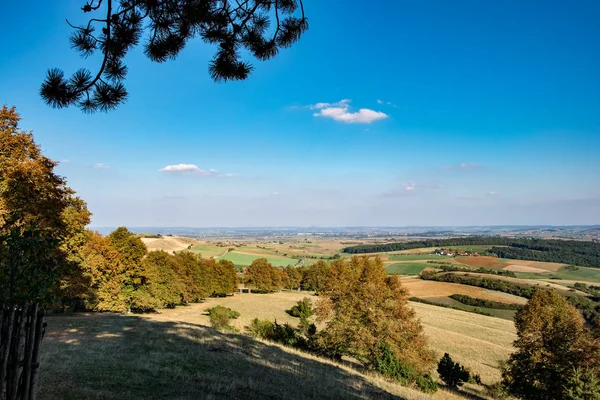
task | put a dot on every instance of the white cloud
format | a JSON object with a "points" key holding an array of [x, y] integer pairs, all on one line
{"points": [[213, 171], [410, 187], [100, 166], [340, 112], [228, 175], [379, 101], [462, 166], [342, 103], [64, 161], [185, 169], [491, 193]]}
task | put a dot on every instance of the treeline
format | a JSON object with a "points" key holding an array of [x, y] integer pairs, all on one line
{"points": [[564, 254], [117, 274], [476, 302], [263, 277], [582, 253], [435, 303], [480, 270], [589, 307]]}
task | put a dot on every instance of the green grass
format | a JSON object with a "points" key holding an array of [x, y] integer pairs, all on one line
{"points": [[209, 250], [417, 257], [504, 314], [410, 268], [240, 259], [582, 274]]}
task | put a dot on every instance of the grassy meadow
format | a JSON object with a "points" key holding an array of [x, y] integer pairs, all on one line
{"points": [[244, 259], [174, 354], [407, 268]]}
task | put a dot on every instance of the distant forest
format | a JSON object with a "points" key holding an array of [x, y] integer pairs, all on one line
{"points": [[585, 254]]}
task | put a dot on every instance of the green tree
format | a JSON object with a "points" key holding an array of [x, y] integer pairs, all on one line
{"points": [[167, 25], [363, 307], [583, 385], [262, 276], [316, 276], [552, 343], [40, 220], [292, 278], [452, 373]]}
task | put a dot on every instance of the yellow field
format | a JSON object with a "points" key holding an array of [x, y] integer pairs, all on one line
{"points": [[169, 243], [477, 341], [422, 288]]}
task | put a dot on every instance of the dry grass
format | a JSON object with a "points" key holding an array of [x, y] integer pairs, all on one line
{"points": [[483, 261], [477, 341], [175, 355], [101, 356], [169, 243], [523, 268], [530, 282], [422, 288]]}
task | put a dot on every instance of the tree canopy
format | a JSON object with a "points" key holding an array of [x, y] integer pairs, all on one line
{"points": [[365, 308], [553, 344], [259, 27], [39, 215]]}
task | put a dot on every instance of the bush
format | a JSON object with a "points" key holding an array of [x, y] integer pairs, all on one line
{"points": [[426, 384], [261, 328], [302, 309], [389, 366], [583, 385], [453, 374], [220, 316], [497, 391], [284, 334]]}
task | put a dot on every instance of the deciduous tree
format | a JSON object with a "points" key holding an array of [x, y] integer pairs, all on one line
{"points": [[363, 307], [552, 343]]}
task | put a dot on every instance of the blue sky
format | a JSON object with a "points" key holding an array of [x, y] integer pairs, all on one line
{"points": [[474, 113]]}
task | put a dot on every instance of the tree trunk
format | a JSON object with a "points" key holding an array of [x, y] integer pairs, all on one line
{"points": [[22, 328]]}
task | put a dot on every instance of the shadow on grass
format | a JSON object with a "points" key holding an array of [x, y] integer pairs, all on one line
{"points": [[100, 356]]}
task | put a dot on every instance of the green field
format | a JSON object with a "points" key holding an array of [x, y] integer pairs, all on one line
{"points": [[209, 250], [582, 274], [504, 314], [409, 268], [417, 257], [245, 260]]}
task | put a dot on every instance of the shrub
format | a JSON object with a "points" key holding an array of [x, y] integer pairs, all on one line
{"points": [[389, 366], [261, 328], [284, 334], [497, 391], [453, 374], [302, 309], [583, 385], [425, 383], [220, 316]]}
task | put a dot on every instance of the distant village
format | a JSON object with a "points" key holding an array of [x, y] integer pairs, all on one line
{"points": [[452, 253]]}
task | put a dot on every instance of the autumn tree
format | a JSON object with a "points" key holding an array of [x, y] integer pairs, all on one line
{"points": [[552, 343], [315, 276], [160, 281], [256, 27], [222, 276], [363, 309], [106, 275], [262, 276], [292, 278], [132, 250], [39, 216]]}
